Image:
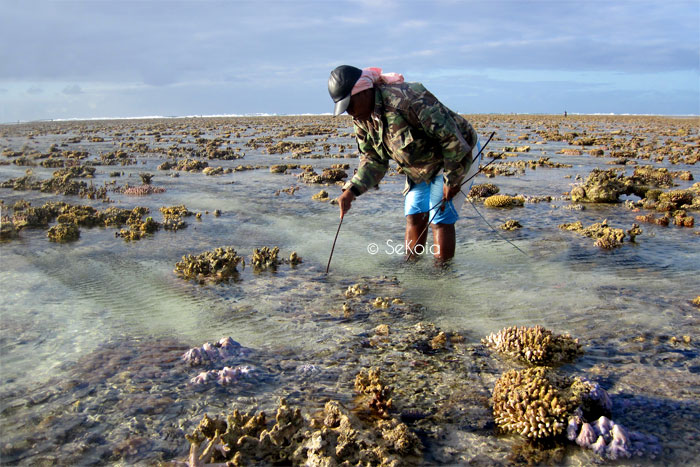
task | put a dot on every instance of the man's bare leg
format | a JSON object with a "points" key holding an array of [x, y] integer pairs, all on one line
{"points": [[444, 238], [415, 225]]}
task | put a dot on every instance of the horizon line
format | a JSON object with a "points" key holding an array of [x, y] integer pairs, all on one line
{"points": [[263, 114]]}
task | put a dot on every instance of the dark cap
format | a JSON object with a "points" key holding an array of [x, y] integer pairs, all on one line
{"points": [[340, 86]]}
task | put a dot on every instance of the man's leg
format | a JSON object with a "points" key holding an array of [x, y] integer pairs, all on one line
{"points": [[415, 225], [444, 238]]}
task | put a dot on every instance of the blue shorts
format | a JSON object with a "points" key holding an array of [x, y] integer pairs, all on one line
{"points": [[426, 196]]}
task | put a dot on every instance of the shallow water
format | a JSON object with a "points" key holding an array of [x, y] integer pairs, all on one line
{"points": [[68, 308]]}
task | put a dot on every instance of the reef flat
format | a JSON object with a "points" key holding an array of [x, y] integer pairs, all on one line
{"points": [[157, 309]]}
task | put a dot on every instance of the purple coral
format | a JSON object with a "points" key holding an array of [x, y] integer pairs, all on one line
{"points": [[603, 426], [612, 440], [598, 394], [617, 450], [210, 353], [223, 377], [599, 446], [587, 436]]}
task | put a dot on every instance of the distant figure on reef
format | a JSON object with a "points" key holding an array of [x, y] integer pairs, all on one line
{"points": [[431, 144], [565, 114]]}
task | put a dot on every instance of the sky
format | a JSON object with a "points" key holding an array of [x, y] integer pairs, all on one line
{"points": [[91, 59]]}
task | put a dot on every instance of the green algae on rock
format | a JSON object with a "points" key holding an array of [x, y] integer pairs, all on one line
{"points": [[534, 345], [216, 265]]}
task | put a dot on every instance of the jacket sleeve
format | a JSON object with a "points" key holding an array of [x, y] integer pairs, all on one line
{"points": [[372, 165], [438, 123]]}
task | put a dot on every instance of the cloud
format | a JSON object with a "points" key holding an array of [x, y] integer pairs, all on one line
{"points": [[72, 89], [34, 90]]}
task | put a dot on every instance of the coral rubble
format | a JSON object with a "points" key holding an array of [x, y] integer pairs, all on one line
{"points": [[334, 436]]}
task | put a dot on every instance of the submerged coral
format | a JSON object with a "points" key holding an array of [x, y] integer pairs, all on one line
{"points": [[294, 259], [611, 440], [511, 224], [222, 350], [356, 289], [224, 377], [535, 345], [139, 190], [217, 265]]}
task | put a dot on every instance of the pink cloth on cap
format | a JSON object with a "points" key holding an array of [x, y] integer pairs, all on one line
{"points": [[371, 76]]}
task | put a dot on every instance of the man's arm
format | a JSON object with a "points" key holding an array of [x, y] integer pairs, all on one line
{"points": [[372, 166]]}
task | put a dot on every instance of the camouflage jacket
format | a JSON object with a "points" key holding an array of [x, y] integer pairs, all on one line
{"points": [[410, 126]]}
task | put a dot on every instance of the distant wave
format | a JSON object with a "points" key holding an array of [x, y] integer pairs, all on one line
{"points": [[262, 114]]}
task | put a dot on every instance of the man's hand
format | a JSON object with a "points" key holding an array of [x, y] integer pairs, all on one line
{"points": [[344, 201], [449, 192]]}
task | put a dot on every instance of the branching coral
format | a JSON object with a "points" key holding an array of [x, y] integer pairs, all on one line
{"points": [[535, 345], [525, 402]]}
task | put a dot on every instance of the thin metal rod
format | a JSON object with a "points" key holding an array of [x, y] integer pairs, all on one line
{"points": [[494, 230], [333, 248]]}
